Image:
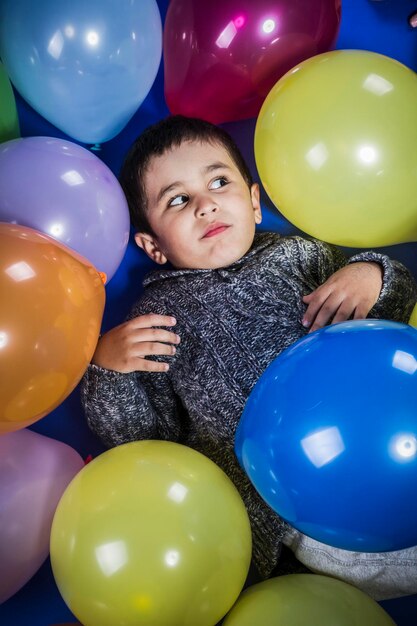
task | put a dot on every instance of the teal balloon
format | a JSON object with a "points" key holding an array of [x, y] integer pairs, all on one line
{"points": [[86, 66]]}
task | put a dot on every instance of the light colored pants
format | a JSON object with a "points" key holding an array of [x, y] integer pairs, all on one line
{"points": [[382, 575]]}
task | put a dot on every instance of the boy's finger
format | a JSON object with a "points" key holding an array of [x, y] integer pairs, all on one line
{"points": [[343, 313], [325, 313], [146, 321], [361, 312], [144, 349], [143, 335], [315, 304], [144, 365]]}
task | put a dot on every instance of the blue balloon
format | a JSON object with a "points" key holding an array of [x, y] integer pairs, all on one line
{"points": [[86, 66], [328, 436]]}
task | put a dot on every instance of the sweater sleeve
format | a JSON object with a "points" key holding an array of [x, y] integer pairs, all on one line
{"points": [[121, 407], [398, 293], [127, 407], [399, 290]]}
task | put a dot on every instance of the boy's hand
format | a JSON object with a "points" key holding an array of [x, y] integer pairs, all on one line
{"points": [[124, 348], [351, 292]]}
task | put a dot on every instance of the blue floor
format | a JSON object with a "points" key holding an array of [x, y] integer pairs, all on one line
{"points": [[378, 26], [40, 604]]}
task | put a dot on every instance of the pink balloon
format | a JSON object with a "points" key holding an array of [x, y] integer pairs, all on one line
{"points": [[223, 57], [34, 472]]}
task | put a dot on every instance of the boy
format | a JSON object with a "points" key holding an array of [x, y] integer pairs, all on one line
{"points": [[236, 299]]}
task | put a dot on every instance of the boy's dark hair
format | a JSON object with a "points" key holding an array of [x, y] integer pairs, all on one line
{"points": [[155, 141]]}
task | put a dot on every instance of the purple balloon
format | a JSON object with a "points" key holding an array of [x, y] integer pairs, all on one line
{"points": [[34, 473], [65, 191]]}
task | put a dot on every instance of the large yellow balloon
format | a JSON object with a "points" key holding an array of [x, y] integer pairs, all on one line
{"points": [[335, 147], [150, 533], [413, 317], [301, 599], [52, 303]]}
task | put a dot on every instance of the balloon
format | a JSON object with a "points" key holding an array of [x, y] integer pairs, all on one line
{"points": [[9, 123], [334, 147], [222, 57], [85, 66], [300, 599], [150, 533], [34, 472], [69, 194], [52, 304], [329, 435], [413, 317]]}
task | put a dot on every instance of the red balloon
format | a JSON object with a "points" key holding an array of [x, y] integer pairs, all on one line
{"points": [[223, 57]]}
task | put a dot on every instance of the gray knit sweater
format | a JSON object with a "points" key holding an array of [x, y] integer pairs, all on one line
{"points": [[232, 322]]}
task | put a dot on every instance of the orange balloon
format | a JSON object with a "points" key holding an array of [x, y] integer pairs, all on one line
{"points": [[52, 302]]}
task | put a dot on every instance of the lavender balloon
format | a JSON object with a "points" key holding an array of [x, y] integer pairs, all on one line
{"points": [[34, 473], [65, 191]]}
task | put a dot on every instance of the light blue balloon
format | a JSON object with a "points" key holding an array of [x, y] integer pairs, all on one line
{"points": [[86, 66]]}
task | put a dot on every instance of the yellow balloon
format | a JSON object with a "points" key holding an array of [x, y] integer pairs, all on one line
{"points": [[150, 533], [301, 599], [335, 147], [413, 317]]}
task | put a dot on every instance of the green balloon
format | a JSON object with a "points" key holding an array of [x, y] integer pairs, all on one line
{"points": [[9, 123], [151, 533], [300, 599]]}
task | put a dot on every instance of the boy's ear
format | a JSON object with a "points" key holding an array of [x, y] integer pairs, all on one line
{"points": [[150, 246], [256, 202]]}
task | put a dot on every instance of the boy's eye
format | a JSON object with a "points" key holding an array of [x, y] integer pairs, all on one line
{"points": [[221, 181], [178, 200]]}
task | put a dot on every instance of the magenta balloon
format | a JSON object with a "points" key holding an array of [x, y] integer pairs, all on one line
{"points": [[223, 57], [34, 473], [65, 191]]}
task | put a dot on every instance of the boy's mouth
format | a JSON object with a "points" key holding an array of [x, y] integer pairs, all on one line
{"points": [[214, 229]]}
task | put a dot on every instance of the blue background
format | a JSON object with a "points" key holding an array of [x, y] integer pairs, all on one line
{"points": [[379, 26]]}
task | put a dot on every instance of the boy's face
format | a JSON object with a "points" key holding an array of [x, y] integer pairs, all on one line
{"points": [[200, 208]]}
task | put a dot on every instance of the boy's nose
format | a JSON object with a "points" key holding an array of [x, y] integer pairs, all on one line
{"points": [[205, 207]]}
